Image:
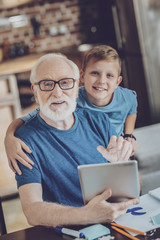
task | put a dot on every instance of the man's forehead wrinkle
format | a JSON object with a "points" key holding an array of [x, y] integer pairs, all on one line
{"points": [[47, 76], [44, 74], [60, 66], [45, 70], [54, 69]]}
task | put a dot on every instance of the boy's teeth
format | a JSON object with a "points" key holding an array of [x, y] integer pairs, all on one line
{"points": [[99, 88]]}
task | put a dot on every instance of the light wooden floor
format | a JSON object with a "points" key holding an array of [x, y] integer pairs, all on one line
{"points": [[15, 219]]}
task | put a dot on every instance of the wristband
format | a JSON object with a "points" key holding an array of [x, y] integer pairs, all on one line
{"points": [[129, 135]]}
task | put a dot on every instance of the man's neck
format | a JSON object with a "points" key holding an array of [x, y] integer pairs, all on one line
{"points": [[62, 124]]}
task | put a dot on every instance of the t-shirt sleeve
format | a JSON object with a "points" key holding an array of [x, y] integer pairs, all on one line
{"points": [[133, 100], [30, 115], [28, 175]]}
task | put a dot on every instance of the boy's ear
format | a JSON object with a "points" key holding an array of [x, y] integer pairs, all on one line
{"points": [[81, 76], [34, 92], [119, 80]]}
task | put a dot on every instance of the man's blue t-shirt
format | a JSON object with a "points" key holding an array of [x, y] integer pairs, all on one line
{"points": [[57, 153], [124, 103]]}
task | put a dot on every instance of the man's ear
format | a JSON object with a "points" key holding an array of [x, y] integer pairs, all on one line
{"points": [[34, 90], [81, 76], [119, 81]]}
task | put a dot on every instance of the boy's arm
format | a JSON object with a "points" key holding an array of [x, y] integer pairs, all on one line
{"points": [[14, 148], [129, 129], [130, 124]]}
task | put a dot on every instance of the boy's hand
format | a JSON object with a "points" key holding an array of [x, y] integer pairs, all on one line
{"points": [[14, 150], [118, 149], [134, 145]]}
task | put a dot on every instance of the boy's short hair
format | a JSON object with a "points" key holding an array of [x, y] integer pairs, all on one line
{"points": [[101, 52]]}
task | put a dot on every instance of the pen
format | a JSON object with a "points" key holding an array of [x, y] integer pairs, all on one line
{"points": [[70, 232], [128, 228], [125, 233]]}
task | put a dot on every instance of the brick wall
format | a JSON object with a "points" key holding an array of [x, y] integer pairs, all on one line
{"points": [[63, 24]]}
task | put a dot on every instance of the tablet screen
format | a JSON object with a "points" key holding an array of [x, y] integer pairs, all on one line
{"points": [[121, 177]]}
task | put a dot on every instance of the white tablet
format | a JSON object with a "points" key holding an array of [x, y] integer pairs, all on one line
{"points": [[121, 177]]}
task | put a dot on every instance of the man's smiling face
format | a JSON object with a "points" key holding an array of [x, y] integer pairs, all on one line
{"points": [[56, 104], [101, 78]]}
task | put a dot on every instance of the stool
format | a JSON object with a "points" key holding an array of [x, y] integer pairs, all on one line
{"points": [[12, 96]]}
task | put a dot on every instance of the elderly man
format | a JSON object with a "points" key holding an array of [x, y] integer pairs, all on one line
{"points": [[61, 138]]}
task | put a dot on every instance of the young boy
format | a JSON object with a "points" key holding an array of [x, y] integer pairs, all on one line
{"points": [[100, 75]]}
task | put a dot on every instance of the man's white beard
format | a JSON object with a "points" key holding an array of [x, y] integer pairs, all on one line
{"points": [[58, 115]]}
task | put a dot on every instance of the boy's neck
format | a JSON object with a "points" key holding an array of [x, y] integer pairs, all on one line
{"points": [[99, 102]]}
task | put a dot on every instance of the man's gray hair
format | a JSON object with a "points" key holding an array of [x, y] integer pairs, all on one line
{"points": [[54, 56]]}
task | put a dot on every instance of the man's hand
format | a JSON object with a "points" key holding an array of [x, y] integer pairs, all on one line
{"points": [[98, 210], [118, 149]]}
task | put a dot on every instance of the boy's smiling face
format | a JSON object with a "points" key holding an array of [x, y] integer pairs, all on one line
{"points": [[101, 78]]}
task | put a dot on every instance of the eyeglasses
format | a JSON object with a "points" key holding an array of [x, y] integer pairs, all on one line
{"points": [[49, 85]]}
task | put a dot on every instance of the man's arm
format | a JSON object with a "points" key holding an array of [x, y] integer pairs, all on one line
{"points": [[98, 210], [14, 148], [129, 129]]}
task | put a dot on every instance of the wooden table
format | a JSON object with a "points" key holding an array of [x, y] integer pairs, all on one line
{"points": [[19, 65], [43, 233]]}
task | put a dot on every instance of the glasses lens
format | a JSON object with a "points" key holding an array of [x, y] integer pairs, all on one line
{"points": [[66, 83], [47, 85]]}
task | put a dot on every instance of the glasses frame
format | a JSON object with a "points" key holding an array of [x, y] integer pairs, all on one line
{"points": [[55, 82]]}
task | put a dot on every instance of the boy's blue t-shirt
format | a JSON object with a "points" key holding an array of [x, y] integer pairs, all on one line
{"points": [[124, 103], [57, 153]]}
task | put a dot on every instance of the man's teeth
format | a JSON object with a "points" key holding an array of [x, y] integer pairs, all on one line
{"points": [[59, 102]]}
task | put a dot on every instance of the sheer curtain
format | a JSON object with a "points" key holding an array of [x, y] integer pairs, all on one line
{"points": [[148, 22]]}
